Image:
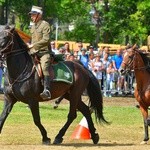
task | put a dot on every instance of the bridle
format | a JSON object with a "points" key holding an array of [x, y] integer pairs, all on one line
{"points": [[131, 62], [10, 46], [10, 43]]}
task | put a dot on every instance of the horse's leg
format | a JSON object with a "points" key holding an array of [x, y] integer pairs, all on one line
{"points": [[145, 116], [57, 102], [84, 109], [8, 105], [71, 116], [34, 106]]}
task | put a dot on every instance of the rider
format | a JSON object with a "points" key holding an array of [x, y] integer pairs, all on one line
{"points": [[40, 37]]}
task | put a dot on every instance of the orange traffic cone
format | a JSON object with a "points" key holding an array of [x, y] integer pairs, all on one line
{"points": [[81, 131]]}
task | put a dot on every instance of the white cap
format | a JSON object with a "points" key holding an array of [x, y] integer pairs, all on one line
{"points": [[36, 10]]}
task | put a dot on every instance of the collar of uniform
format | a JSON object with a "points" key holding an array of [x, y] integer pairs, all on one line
{"points": [[38, 23]]}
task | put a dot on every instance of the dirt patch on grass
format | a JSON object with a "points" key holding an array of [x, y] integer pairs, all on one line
{"points": [[120, 101]]}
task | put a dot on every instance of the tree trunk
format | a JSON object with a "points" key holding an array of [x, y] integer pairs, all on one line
{"points": [[2, 15]]}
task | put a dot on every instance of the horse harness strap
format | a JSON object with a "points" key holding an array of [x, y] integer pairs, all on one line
{"points": [[17, 80], [37, 66], [139, 68]]}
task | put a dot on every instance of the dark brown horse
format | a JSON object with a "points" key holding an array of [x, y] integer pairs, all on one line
{"points": [[138, 61], [22, 83]]}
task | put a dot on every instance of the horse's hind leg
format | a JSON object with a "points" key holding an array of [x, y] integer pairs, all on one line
{"points": [[8, 105], [34, 106], [84, 109], [71, 116], [57, 102]]}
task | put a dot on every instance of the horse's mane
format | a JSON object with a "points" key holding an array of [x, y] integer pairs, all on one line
{"points": [[22, 45], [20, 41], [146, 59]]}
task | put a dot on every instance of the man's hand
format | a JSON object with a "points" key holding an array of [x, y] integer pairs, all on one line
{"points": [[29, 45]]}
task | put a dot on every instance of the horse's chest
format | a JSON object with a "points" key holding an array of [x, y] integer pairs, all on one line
{"points": [[23, 90], [143, 95]]}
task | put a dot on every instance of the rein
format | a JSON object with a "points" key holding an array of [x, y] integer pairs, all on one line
{"points": [[14, 53], [138, 68], [11, 43], [21, 80], [132, 60]]}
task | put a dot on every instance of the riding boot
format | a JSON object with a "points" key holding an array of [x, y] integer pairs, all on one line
{"points": [[46, 92]]}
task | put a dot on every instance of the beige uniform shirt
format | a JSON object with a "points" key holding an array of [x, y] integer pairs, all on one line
{"points": [[40, 33]]}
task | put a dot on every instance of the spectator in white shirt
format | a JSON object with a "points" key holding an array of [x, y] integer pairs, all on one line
{"points": [[53, 48]]}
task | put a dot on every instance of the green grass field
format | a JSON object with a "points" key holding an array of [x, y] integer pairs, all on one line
{"points": [[126, 126]]}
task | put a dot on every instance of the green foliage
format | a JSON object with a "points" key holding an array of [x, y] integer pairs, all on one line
{"points": [[119, 20], [1, 2]]}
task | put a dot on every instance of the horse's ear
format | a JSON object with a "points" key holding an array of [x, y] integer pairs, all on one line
{"points": [[12, 29], [7, 27], [134, 46]]}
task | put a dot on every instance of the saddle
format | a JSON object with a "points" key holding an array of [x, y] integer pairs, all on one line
{"points": [[58, 71]]}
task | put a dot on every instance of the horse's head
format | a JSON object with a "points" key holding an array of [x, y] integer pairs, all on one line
{"points": [[127, 63], [6, 39]]}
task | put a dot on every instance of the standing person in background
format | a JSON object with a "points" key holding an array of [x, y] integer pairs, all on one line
{"points": [[118, 79], [67, 48], [91, 60], [76, 56], [79, 48], [53, 47], [109, 79], [84, 58], [105, 62], [61, 50], [71, 57], [97, 68], [40, 37], [106, 50], [91, 50]]}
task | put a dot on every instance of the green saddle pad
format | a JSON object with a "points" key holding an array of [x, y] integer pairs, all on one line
{"points": [[62, 73]]}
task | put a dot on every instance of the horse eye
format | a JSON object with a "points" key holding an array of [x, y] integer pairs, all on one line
{"points": [[130, 57]]}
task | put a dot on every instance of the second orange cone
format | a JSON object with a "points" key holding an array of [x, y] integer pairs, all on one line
{"points": [[81, 131]]}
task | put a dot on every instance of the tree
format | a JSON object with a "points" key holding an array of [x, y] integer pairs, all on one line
{"points": [[120, 21], [3, 11]]}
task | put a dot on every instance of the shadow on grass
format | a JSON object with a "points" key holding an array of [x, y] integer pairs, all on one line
{"points": [[94, 145]]}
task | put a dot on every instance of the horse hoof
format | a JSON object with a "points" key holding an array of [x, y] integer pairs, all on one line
{"points": [[95, 138], [55, 106], [143, 142], [58, 141], [46, 142]]}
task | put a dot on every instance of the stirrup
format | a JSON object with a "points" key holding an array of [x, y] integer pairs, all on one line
{"points": [[45, 94]]}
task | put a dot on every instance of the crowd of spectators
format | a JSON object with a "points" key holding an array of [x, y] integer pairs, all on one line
{"points": [[103, 65]]}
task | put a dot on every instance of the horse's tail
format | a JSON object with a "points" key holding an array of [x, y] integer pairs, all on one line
{"points": [[95, 97]]}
